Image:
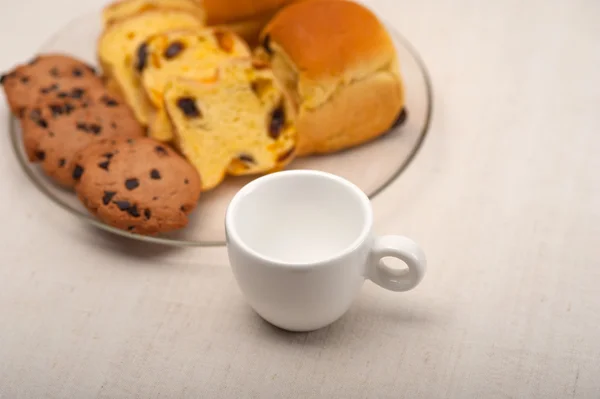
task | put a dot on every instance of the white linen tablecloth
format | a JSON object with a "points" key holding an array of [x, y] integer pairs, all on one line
{"points": [[504, 197]]}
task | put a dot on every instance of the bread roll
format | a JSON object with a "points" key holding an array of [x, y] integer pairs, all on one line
{"points": [[340, 67], [237, 124], [194, 54], [122, 58]]}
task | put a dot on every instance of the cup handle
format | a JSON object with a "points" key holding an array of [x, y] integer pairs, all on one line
{"points": [[401, 248]]}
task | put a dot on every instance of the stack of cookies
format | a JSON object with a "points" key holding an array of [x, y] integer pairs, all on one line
{"points": [[67, 114], [220, 87]]}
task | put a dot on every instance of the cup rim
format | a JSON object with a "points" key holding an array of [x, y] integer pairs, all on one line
{"points": [[233, 236]]}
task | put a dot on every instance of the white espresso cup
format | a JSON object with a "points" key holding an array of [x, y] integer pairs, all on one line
{"points": [[301, 245]]}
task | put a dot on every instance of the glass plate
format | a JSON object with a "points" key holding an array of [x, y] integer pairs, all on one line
{"points": [[372, 167]]}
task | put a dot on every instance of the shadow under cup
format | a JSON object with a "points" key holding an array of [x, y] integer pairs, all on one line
{"points": [[300, 217]]}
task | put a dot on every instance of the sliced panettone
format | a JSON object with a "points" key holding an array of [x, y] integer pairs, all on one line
{"points": [[240, 123], [184, 54], [122, 56], [246, 18], [124, 9]]}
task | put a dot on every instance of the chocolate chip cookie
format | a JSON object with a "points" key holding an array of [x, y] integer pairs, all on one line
{"points": [[55, 130], [50, 75], [136, 184]]}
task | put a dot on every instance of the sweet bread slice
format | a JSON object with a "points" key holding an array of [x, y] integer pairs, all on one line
{"points": [[123, 55], [124, 9], [187, 54], [239, 124]]}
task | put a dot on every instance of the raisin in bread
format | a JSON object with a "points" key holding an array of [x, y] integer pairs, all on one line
{"points": [[187, 54], [239, 124], [124, 9], [122, 53]]}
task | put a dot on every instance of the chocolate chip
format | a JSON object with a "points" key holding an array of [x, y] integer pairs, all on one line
{"points": [[62, 162], [95, 128], [36, 116], [401, 119], [108, 196], [77, 93], [40, 155], [155, 174], [277, 122], [132, 184], [123, 205], [130, 228], [109, 102], [286, 155], [133, 211], [69, 108], [154, 198], [46, 90], [56, 110], [81, 126], [108, 155], [77, 172], [2, 79], [183, 208], [186, 181], [160, 150], [267, 44], [142, 57], [113, 125], [54, 72], [173, 50], [104, 165], [247, 158], [188, 106], [147, 214], [77, 72], [42, 123], [25, 80]]}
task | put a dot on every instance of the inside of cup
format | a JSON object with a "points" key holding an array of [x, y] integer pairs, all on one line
{"points": [[300, 217]]}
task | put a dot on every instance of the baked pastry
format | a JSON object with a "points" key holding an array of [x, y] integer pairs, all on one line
{"points": [[240, 123], [46, 75], [136, 184], [339, 65], [123, 56], [124, 9], [55, 130], [187, 54], [245, 18]]}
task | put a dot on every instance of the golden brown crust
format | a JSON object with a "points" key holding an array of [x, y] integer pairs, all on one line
{"points": [[249, 29], [339, 66], [356, 114], [343, 38], [221, 12]]}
